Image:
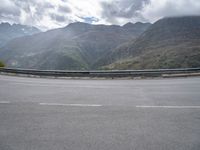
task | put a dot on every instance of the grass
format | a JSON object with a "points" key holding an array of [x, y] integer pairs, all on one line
{"points": [[2, 64]]}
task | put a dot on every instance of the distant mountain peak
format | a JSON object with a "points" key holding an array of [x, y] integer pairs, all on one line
{"points": [[78, 24], [5, 24], [130, 24], [9, 32]]}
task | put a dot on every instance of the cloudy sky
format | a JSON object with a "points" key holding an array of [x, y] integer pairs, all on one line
{"points": [[48, 14]]}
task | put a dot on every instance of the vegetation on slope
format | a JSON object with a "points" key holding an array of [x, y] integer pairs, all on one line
{"points": [[75, 47], [169, 43], [2, 64]]}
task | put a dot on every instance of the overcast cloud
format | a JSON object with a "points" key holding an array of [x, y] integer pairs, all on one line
{"points": [[48, 14]]}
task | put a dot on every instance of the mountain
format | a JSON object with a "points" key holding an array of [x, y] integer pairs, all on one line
{"points": [[76, 46], [136, 28], [169, 43], [9, 32]]}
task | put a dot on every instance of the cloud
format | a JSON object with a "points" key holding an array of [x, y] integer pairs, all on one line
{"points": [[117, 11], [64, 9], [44, 14], [168, 8], [9, 11], [48, 14], [122, 11], [58, 18], [90, 20]]}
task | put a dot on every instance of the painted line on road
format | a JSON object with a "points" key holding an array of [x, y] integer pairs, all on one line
{"points": [[74, 105], [175, 107], [4, 102]]}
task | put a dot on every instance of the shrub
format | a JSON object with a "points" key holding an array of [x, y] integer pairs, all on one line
{"points": [[2, 64]]}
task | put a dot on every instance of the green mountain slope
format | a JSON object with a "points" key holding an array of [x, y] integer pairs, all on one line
{"points": [[77, 46], [169, 43]]}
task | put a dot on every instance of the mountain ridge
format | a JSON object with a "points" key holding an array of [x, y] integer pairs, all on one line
{"points": [[9, 32], [171, 42], [78, 45]]}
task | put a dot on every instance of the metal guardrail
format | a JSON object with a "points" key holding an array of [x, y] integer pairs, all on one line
{"points": [[101, 73]]}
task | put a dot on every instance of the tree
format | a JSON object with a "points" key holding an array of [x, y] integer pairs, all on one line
{"points": [[2, 64]]}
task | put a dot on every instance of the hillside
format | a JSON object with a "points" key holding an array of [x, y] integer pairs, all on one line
{"points": [[168, 43], [77, 46], [9, 32]]}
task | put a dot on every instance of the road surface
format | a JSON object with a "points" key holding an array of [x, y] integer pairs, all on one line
{"points": [[56, 114]]}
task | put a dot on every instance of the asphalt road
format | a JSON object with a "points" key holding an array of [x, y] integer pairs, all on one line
{"points": [[55, 114]]}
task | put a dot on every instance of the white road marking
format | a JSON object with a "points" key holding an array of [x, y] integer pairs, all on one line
{"points": [[75, 105], [176, 107], [4, 102]]}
